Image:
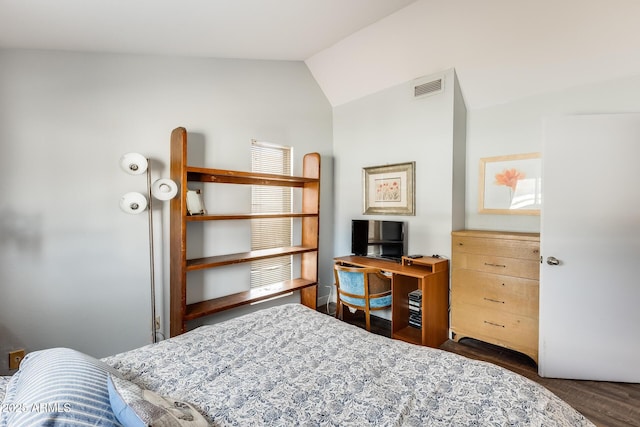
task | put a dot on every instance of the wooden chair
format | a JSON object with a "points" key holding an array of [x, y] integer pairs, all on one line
{"points": [[362, 288]]}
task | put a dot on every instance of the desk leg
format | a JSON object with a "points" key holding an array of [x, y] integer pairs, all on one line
{"points": [[435, 309]]}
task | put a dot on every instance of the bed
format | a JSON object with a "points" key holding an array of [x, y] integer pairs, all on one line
{"points": [[290, 365], [3, 385]]}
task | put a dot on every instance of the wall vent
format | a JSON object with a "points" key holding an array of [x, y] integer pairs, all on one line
{"points": [[428, 88]]}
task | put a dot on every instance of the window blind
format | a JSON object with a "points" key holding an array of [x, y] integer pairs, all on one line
{"points": [[271, 233]]}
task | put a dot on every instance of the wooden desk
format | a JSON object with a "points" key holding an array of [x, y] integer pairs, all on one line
{"points": [[431, 275]]}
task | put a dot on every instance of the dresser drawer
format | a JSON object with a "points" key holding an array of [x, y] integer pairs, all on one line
{"points": [[497, 327], [511, 248], [529, 269], [496, 292]]}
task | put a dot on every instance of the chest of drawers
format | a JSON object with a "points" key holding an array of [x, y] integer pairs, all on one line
{"points": [[494, 288]]}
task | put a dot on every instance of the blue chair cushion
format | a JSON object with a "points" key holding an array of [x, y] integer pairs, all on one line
{"points": [[353, 283]]}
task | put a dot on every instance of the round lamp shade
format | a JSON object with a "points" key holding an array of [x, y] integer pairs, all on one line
{"points": [[134, 163], [133, 203], [164, 189]]}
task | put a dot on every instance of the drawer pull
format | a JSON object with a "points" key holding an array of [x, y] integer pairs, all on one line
{"points": [[494, 324], [493, 300], [495, 265]]}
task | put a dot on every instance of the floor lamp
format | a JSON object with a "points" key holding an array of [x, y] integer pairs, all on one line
{"points": [[134, 203]]}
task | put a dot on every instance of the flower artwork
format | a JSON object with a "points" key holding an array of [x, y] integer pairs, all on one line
{"points": [[511, 184], [509, 178], [388, 190]]}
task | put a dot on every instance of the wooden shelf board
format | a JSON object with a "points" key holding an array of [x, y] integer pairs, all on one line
{"points": [[228, 259], [409, 334], [219, 217], [237, 177], [205, 308], [434, 264]]}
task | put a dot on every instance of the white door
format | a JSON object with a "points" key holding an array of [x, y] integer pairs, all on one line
{"points": [[590, 224]]}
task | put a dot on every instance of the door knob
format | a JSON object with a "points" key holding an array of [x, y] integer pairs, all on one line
{"points": [[553, 260]]}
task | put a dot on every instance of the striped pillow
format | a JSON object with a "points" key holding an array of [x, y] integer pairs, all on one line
{"points": [[57, 387]]}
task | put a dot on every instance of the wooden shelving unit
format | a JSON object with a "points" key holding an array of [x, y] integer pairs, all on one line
{"points": [[435, 302], [182, 174]]}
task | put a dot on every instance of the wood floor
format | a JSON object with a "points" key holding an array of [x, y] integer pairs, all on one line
{"points": [[606, 404]]}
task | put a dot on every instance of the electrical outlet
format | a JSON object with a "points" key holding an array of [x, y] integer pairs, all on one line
{"points": [[157, 323], [15, 357]]}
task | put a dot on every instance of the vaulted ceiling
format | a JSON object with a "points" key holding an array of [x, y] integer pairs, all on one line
{"points": [[255, 29], [501, 49]]}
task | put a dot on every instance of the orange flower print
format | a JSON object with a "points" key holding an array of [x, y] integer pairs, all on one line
{"points": [[388, 190], [509, 178]]}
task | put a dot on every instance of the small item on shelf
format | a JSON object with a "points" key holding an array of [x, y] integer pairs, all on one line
{"points": [[415, 309], [195, 205], [414, 256], [415, 320], [414, 306]]}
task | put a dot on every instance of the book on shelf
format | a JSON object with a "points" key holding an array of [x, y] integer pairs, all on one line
{"points": [[415, 295], [415, 321], [415, 309]]}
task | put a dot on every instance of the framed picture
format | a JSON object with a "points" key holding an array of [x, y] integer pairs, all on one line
{"points": [[389, 190], [511, 184], [195, 204]]}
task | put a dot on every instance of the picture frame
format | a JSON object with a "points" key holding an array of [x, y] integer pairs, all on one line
{"points": [[389, 189], [195, 204], [510, 185]]}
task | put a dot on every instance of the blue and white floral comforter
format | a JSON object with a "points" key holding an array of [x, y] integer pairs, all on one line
{"points": [[289, 365], [3, 386]]}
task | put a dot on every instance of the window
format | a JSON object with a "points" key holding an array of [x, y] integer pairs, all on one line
{"points": [[271, 233]]}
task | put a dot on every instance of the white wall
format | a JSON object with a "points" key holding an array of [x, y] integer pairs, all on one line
{"points": [[392, 127], [74, 269], [516, 128]]}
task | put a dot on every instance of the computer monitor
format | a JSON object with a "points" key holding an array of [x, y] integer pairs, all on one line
{"points": [[378, 238]]}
